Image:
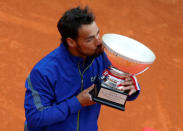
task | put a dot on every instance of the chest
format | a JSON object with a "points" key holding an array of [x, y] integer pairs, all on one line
{"points": [[72, 79]]}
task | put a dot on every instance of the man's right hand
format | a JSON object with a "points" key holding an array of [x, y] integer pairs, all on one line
{"points": [[85, 98]]}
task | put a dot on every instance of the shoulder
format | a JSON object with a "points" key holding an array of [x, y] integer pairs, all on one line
{"points": [[53, 62], [47, 65], [47, 61]]}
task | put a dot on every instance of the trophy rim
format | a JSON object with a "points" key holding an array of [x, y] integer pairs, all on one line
{"points": [[123, 56]]}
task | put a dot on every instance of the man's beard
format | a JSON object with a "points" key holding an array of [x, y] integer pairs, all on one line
{"points": [[99, 50]]}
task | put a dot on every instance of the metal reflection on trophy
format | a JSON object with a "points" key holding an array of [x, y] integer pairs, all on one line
{"points": [[128, 57]]}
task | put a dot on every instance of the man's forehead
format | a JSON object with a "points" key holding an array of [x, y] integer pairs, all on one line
{"points": [[88, 30]]}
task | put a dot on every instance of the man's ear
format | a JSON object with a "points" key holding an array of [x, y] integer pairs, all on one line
{"points": [[71, 42]]}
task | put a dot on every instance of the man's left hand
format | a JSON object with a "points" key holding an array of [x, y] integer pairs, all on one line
{"points": [[128, 84]]}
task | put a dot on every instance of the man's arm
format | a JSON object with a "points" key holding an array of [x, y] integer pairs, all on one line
{"points": [[40, 110]]}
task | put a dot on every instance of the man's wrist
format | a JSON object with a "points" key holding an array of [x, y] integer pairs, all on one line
{"points": [[74, 104]]}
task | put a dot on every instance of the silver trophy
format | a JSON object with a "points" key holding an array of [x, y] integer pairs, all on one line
{"points": [[129, 58]]}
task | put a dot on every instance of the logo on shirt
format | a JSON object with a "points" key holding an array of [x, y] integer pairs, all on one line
{"points": [[93, 78]]}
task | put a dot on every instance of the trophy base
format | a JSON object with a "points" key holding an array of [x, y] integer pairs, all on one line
{"points": [[110, 97], [108, 103]]}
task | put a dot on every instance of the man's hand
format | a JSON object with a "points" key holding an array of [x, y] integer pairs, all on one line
{"points": [[128, 84], [85, 98]]}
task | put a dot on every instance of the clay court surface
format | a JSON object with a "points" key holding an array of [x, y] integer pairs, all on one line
{"points": [[28, 32]]}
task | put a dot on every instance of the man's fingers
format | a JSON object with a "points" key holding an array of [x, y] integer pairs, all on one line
{"points": [[123, 88], [90, 97], [90, 88], [127, 83], [132, 92], [130, 88]]}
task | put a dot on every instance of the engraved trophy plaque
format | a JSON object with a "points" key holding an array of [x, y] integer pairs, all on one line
{"points": [[128, 57]]}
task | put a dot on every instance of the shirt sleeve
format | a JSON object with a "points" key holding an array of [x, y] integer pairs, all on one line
{"points": [[40, 110]]}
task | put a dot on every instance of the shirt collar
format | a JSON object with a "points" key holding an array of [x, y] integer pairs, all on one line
{"points": [[74, 59]]}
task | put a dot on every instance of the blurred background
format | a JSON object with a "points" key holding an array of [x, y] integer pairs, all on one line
{"points": [[28, 32]]}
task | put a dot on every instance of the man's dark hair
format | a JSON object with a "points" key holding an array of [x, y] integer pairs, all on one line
{"points": [[72, 20]]}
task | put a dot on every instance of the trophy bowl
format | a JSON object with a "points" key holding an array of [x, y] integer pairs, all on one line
{"points": [[127, 54]]}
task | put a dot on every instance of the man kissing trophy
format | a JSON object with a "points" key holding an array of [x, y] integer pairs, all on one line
{"points": [[128, 58]]}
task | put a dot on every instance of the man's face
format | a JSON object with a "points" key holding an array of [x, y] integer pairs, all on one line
{"points": [[88, 42]]}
